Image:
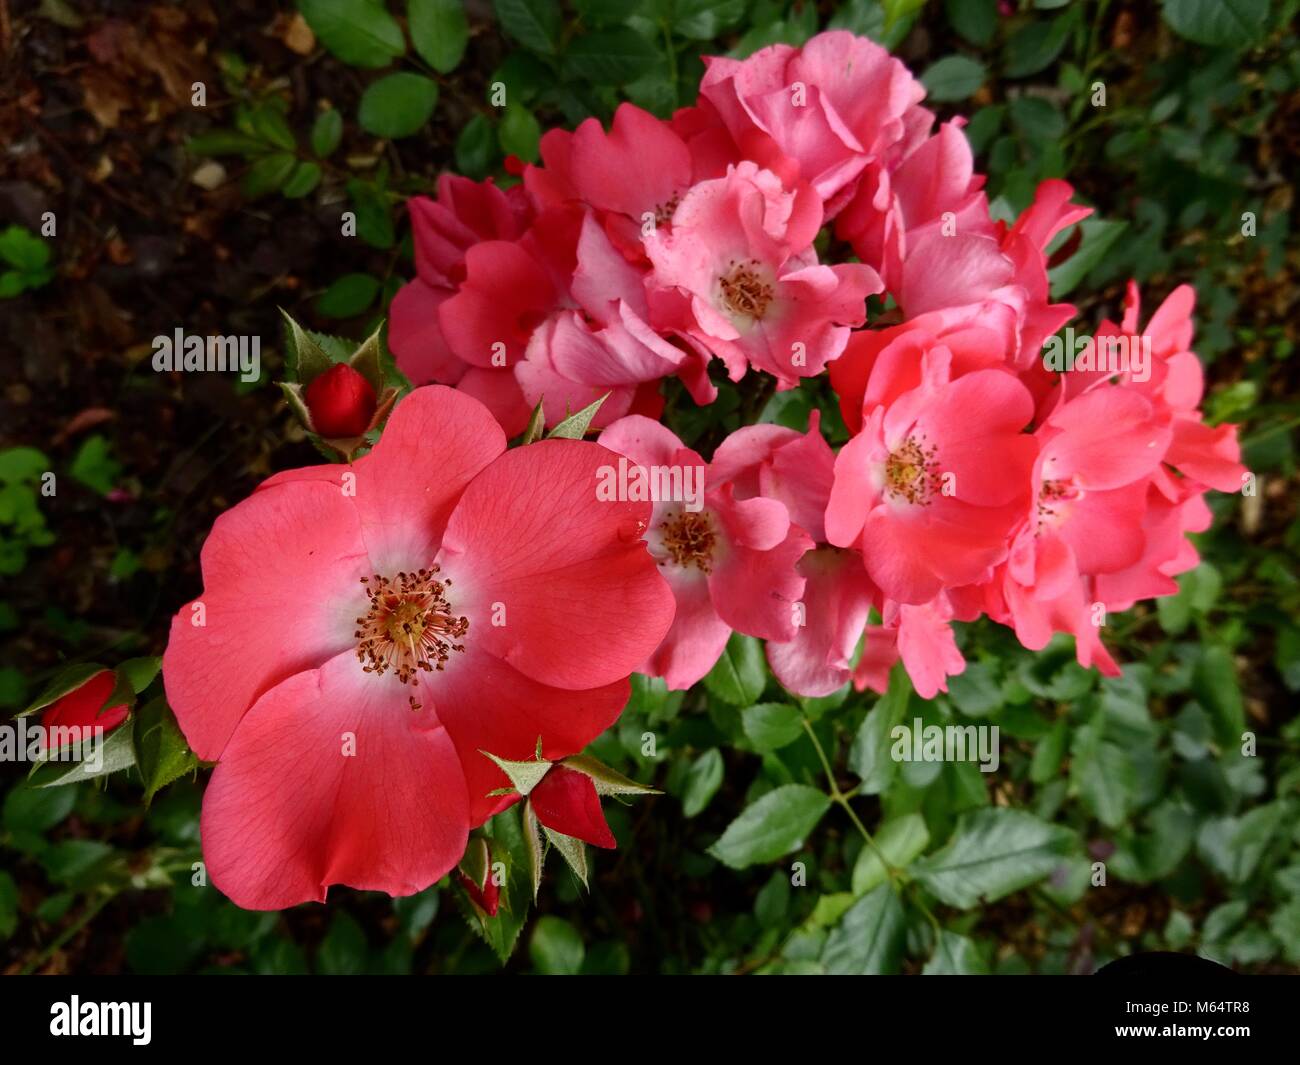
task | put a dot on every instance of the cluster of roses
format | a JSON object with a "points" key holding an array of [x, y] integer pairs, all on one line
{"points": [[977, 481], [388, 652]]}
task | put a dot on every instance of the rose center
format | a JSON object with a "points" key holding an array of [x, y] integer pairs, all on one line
{"points": [[689, 538], [911, 471], [664, 212], [1051, 496], [745, 290], [409, 626]]}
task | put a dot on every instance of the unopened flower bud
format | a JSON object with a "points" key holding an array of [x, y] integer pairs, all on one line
{"points": [[341, 402]]}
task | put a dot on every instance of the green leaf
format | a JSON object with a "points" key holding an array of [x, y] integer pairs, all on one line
{"points": [[268, 123], [771, 726], [575, 426], [139, 673], [348, 296], [326, 133], [520, 133], [869, 756], [611, 57], [1233, 846], [1214, 680], [1218, 23], [343, 950], [34, 810], [1104, 775], [976, 20], [954, 77], [23, 249], [606, 12], [955, 955], [740, 675], [702, 20], [774, 826], [476, 148], [161, 946], [305, 177], [73, 861], [533, 23], [975, 691], [224, 142], [702, 782], [94, 465], [397, 105], [374, 213], [901, 841], [1036, 45], [1099, 235], [439, 32], [556, 947], [117, 753], [268, 174], [161, 753], [360, 32], [1049, 753], [993, 852], [869, 939], [22, 464]]}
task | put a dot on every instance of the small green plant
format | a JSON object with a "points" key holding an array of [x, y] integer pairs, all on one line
{"points": [[27, 258]]}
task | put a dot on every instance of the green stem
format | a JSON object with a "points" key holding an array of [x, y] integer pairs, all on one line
{"points": [[87, 915], [842, 800]]}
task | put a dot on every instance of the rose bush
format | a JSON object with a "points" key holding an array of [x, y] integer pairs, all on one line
{"points": [[749, 450]]}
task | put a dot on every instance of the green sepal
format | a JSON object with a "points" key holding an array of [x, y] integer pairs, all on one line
{"points": [[574, 851], [536, 849], [608, 781], [575, 426], [523, 775], [476, 862], [367, 360], [161, 753], [305, 357], [118, 754], [536, 424]]}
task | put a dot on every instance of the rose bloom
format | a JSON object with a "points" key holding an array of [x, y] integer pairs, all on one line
{"points": [[366, 631]]}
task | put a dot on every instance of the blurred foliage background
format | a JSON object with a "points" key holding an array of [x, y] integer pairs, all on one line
{"points": [[211, 216]]}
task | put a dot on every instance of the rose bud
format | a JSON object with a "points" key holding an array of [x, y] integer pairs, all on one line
{"points": [[341, 402], [80, 709], [475, 875]]}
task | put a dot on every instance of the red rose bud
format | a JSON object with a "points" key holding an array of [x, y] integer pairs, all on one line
{"points": [[79, 709], [341, 402], [475, 876], [566, 801], [487, 898]]}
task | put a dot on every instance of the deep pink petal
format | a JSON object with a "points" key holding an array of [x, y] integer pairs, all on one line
{"points": [[331, 779], [578, 600]]}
